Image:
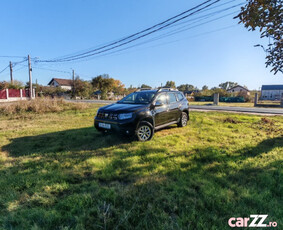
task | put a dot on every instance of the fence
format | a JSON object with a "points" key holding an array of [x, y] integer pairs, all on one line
{"points": [[14, 94], [221, 99]]}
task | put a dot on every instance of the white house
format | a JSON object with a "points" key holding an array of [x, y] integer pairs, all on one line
{"points": [[238, 89], [271, 92], [66, 84]]}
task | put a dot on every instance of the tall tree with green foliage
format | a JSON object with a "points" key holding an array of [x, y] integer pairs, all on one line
{"points": [[186, 87], [146, 86], [228, 85], [170, 84], [104, 83], [205, 87], [83, 88], [267, 16]]}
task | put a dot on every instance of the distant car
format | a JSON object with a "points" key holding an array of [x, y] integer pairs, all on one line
{"points": [[144, 111]]}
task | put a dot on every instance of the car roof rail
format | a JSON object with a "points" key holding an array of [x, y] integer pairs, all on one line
{"points": [[166, 89], [142, 89]]}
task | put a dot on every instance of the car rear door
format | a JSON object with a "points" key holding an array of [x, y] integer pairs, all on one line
{"points": [[174, 107]]}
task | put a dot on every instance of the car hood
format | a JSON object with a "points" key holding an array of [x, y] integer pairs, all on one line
{"points": [[118, 108]]}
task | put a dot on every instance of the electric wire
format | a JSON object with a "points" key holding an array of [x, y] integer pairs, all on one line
{"points": [[53, 70], [161, 36], [133, 37], [170, 33], [4, 69]]}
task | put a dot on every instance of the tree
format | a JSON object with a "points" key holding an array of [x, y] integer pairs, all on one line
{"points": [[146, 86], [267, 16], [4, 85], [228, 85], [129, 90], [82, 88], [222, 92], [170, 84], [119, 87], [186, 87], [205, 87], [104, 83], [15, 85]]}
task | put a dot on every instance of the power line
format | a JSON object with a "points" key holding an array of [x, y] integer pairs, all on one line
{"points": [[53, 70], [178, 30], [135, 36], [193, 36], [22, 67], [5, 68], [7, 56]]}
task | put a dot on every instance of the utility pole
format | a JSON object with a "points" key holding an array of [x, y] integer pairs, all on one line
{"points": [[73, 83], [11, 72], [30, 78]]}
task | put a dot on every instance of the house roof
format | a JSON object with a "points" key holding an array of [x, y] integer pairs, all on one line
{"points": [[238, 86], [62, 82], [272, 87]]}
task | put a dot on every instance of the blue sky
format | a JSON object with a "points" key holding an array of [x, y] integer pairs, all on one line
{"points": [[199, 56]]}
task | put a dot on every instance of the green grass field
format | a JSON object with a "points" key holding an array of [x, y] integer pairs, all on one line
{"points": [[58, 172]]}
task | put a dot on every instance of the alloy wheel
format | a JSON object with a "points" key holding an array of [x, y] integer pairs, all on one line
{"points": [[144, 132]]}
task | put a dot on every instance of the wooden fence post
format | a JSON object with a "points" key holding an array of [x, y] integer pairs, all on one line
{"points": [[21, 94]]}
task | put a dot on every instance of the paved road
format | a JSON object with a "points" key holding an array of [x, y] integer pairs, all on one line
{"points": [[210, 108], [238, 109]]}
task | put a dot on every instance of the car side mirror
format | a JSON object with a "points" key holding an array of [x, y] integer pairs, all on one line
{"points": [[159, 103]]}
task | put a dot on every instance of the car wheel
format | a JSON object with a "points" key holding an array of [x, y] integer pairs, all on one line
{"points": [[184, 120], [144, 131]]}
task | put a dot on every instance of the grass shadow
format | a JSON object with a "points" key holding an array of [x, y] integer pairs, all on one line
{"points": [[141, 186], [67, 140]]}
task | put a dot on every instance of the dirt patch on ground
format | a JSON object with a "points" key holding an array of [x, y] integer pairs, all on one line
{"points": [[266, 120], [231, 120]]}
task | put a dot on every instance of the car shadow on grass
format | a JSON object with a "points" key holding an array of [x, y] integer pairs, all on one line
{"points": [[68, 140]]}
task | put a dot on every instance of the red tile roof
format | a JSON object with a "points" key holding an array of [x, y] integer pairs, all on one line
{"points": [[62, 82]]}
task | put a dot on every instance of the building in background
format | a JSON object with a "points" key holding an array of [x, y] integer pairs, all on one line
{"points": [[271, 92], [66, 84], [238, 89]]}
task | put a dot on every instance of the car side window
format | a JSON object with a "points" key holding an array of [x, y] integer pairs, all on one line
{"points": [[161, 98], [172, 98], [180, 96]]}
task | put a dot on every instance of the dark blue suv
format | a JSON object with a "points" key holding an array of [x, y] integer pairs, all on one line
{"points": [[144, 111]]}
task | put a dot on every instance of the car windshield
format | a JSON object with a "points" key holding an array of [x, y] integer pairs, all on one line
{"points": [[138, 98]]}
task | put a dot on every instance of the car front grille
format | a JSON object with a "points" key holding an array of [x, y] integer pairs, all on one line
{"points": [[109, 116]]}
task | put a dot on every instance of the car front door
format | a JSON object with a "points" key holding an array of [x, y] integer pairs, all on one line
{"points": [[161, 109]]}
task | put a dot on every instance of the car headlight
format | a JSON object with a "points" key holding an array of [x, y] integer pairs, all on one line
{"points": [[123, 116]]}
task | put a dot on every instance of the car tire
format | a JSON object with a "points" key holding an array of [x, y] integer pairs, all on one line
{"points": [[145, 131], [183, 120]]}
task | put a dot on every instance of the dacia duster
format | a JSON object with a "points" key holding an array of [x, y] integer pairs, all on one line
{"points": [[144, 111]]}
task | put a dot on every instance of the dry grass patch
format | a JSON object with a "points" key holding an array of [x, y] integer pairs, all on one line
{"points": [[40, 105]]}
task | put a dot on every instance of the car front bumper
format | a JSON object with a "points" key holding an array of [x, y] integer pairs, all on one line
{"points": [[127, 126]]}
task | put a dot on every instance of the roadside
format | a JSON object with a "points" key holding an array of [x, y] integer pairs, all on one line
{"points": [[234, 109]]}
